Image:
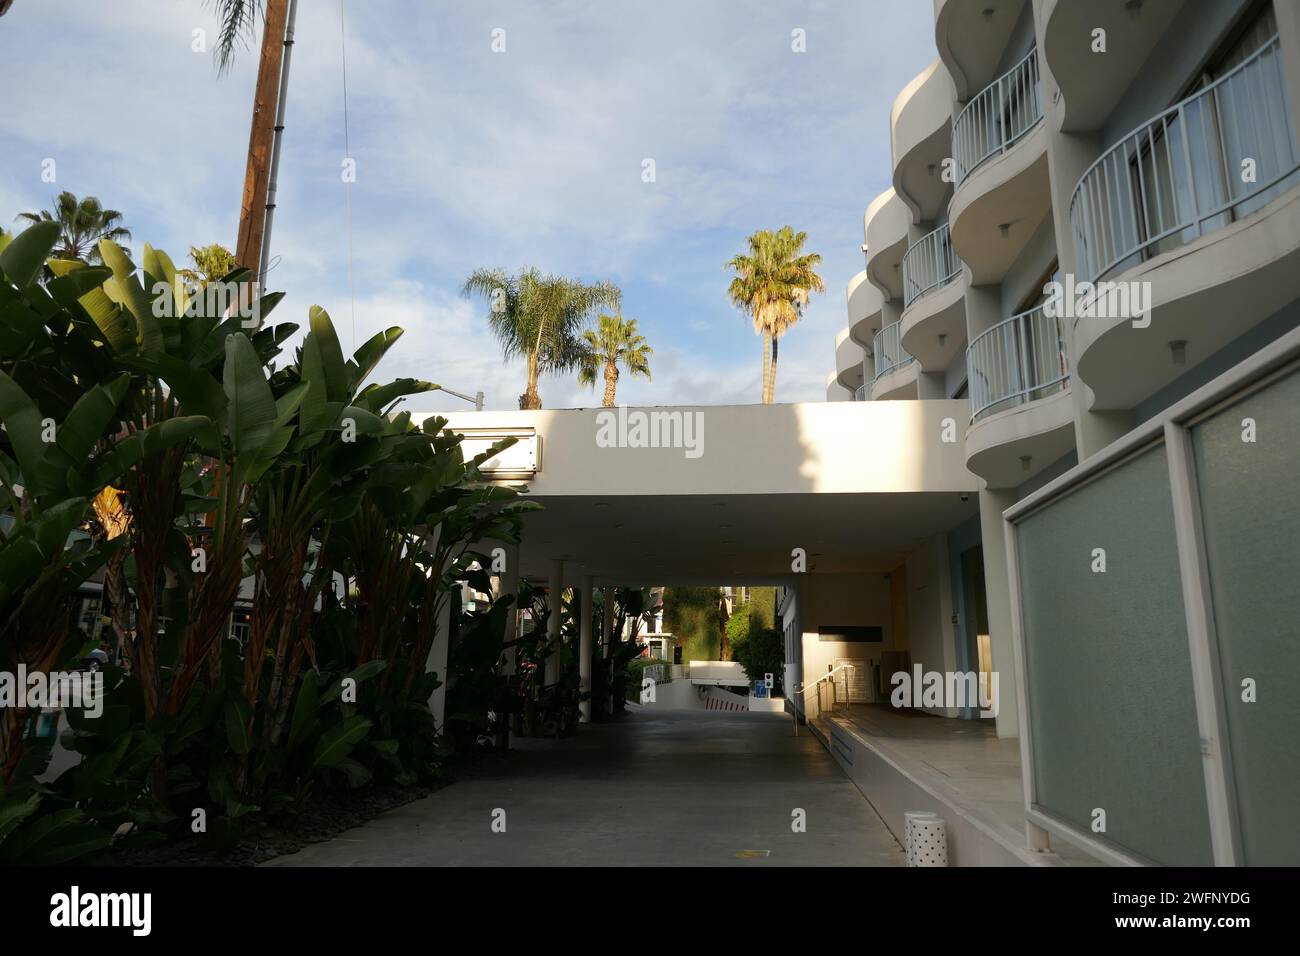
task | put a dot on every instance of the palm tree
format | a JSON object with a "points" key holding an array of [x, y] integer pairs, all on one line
{"points": [[211, 263], [540, 317], [615, 340], [772, 285], [82, 223], [238, 25]]}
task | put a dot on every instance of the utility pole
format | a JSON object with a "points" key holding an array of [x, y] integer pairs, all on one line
{"points": [[252, 213]]}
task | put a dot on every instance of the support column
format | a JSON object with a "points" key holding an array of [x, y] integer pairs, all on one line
{"points": [[437, 661], [554, 603], [508, 585], [1069, 154], [998, 597], [607, 643], [584, 650]]}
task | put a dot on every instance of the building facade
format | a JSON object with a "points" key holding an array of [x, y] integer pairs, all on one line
{"points": [[1092, 236]]}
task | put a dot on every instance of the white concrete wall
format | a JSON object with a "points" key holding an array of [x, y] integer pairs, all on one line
{"points": [[830, 447], [929, 611]]}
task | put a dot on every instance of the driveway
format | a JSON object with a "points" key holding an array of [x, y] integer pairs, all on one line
{"points": [[656, 788]]}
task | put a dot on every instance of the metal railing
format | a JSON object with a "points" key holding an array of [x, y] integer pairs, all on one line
{"points": [[889, 351], [997, 117], [862, 393], [1217, 155], [800, 694], [928, 264], [1021, 359]]}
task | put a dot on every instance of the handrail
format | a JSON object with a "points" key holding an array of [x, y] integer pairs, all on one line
{"points": [[887, 346], [1019, 360], [803, 689], [997, 117], [1183, 172], [928, 264]]}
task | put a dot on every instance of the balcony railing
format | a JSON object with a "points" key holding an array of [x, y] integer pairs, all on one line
{"points": [[1216, 156], [1019, 360], [994, 120], [862, 393], [889, 351], [928, 264]]}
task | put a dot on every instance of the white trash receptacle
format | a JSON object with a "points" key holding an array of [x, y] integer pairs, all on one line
{"points": [[925, 839]]}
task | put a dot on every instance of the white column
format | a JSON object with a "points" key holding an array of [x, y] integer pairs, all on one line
{"points": [[997, 594], [508, 584], [554, 602], [437, 661], [607, 638], [584, 649]]}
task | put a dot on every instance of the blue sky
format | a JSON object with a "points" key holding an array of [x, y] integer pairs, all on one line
{"points": [[468, 158]]}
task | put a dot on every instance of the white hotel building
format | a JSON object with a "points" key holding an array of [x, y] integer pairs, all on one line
{"points": [[1098, 513], [1132, 572]]}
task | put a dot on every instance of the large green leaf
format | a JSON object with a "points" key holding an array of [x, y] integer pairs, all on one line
{"points": [[251, 408], [198, 391], [329, 354], [238, 734], [372, 351], [22, 421], [23, 257], [82, 428], [339, 741], [305, 709], [125, 289]]}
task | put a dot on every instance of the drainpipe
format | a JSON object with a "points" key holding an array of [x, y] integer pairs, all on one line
{"points": [[277, 139]]}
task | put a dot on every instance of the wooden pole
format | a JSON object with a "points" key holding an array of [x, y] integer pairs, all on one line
{"points": [[252, 213]]}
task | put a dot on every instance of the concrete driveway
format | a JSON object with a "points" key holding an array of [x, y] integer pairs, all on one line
{"points": [[667, 788]]}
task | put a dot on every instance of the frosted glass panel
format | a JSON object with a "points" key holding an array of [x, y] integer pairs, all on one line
{"points": [[1111, 711], [1250, 511]]}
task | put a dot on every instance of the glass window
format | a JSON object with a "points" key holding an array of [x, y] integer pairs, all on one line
{"points": [[1251, 524], [1110, 703]]}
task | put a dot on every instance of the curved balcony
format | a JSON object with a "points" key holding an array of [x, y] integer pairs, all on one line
{"points": [[1022, 419], [1169, 212], [1004, 190], [993, 121], [970, 38], [1019, 360], [934, 314], [1180, 174], [835, 392], [928, 264], [1089, 89], [920, 125], [864, 305], [887, 219], [895, 369], [849, 356]]}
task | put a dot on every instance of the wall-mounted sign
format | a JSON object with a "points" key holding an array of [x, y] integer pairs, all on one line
{"points": [[521, 460]]}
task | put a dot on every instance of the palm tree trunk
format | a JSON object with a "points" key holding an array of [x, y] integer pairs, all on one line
{"points": [[767, 366], [771, 381], [611, 383], [531, 400], [252, 213]]}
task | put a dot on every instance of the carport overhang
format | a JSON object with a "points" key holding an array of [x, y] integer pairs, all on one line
{"points": [[855, 485]]}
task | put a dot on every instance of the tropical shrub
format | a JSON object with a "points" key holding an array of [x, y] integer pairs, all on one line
{"points": [[153, 440]]}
